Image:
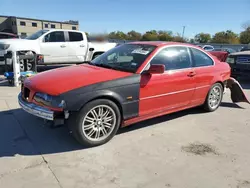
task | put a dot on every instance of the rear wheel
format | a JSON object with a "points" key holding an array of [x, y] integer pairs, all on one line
{"points": [[96, 123], [214, 98]]}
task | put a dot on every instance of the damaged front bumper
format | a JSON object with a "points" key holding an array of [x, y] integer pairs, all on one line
{"points": [[237, 93], [35, 109]]}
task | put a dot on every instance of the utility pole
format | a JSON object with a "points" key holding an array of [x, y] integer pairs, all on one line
{"points": [[183, 31]]}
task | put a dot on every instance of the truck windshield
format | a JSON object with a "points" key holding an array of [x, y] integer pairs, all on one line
{"points": [[36, 35], [125, 57]]}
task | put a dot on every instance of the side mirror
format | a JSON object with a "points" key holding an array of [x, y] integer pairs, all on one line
{"points": [[156, 69]]}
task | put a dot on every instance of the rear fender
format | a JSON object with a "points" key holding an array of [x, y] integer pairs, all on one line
{"points": [[237, 93]]}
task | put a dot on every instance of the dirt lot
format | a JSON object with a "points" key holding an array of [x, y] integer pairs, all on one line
{"points": [[189, 149]]}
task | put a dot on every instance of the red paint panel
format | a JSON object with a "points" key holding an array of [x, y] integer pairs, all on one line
{"points": [[165, 91], [57, 81], [203, 81]]}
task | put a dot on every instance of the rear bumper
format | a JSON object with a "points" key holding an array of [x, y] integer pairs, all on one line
{"points": [[35, 109]]}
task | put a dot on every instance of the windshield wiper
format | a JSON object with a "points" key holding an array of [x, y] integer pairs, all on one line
{"points": [[104, 65]]}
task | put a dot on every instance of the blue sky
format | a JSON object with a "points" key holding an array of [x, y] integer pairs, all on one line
{"points": [[141, 15]]}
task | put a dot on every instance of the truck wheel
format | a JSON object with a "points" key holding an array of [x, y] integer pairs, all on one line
{"points": [[214, 98], [96, 123], [21, 63], [96, 55]]}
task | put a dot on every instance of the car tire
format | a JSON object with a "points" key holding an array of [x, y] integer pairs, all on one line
{"points": [[86, 126], [214, 98], [96, 55]]}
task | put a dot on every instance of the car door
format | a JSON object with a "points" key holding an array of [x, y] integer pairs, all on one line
{"points": [[54, 47], [172, 89], [77, 46], [204, 74]]}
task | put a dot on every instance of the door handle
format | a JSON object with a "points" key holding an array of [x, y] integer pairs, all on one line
{"points": [[191, 74], [63, 46], [81, 45]]}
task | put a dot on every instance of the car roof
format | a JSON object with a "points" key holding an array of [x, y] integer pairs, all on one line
{"points": [[161, 43]]}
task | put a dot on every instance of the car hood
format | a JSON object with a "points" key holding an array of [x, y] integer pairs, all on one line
{"points": [[20, 44], [61, 80], [15, 41]]}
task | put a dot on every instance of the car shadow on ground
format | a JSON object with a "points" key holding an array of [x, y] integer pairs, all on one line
{"points": [[230, 105], [24, 134]]}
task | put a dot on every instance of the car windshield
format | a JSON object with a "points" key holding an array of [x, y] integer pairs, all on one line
{"points": [[125, 57], [36, 35]]}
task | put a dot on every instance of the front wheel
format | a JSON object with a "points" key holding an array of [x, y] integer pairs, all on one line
{"points": [[96, 123], [214, 98]]}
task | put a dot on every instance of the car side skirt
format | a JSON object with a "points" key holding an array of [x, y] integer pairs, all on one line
{"points": [[157, 114]]}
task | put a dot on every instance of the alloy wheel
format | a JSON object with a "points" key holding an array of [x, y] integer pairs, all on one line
{"points": [[215, 97], [99, 123]]}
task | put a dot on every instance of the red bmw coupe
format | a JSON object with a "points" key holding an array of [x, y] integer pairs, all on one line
{"points": [[129, 83]]}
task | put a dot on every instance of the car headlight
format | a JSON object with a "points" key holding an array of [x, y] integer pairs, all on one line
{"points": [[4, 46], [49, 100], [230, 60]]}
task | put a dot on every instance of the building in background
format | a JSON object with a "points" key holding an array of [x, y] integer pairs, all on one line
{"points": [[27, 26]]}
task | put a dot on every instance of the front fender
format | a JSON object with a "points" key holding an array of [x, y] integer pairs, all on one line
{"points": [[237, 93]]}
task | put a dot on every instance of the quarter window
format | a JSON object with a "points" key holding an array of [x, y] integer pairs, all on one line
{"points": [[57, 36], [173, 58], [200, 58], [75, 36]]}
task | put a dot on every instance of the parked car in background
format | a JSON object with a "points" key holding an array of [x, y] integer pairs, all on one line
{"points": [[228, 50], [206, 47], [221, 55], [58, 46], [4, 35], [240, 64], [130, 83], [245, 48]]}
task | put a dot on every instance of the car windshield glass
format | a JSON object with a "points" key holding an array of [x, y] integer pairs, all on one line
{"points": [[125, 57], [36, 35]]}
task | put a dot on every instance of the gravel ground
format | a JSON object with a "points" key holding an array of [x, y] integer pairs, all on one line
{"points": [[188, 149]]}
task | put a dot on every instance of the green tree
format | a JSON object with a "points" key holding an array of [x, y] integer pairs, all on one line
{"points": [[150, 36], [226, 37], [178, 38], [192, 41], [202, 37], [245, 36], [133, 35], [165, 35], [117, 35]]}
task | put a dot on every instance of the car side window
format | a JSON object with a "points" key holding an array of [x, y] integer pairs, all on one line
{"points": [[56, 36], [75, 37], [173, 58], [200, 58]]}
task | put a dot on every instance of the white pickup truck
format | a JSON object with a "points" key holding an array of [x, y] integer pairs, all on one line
{"points": [[58, 46]]}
